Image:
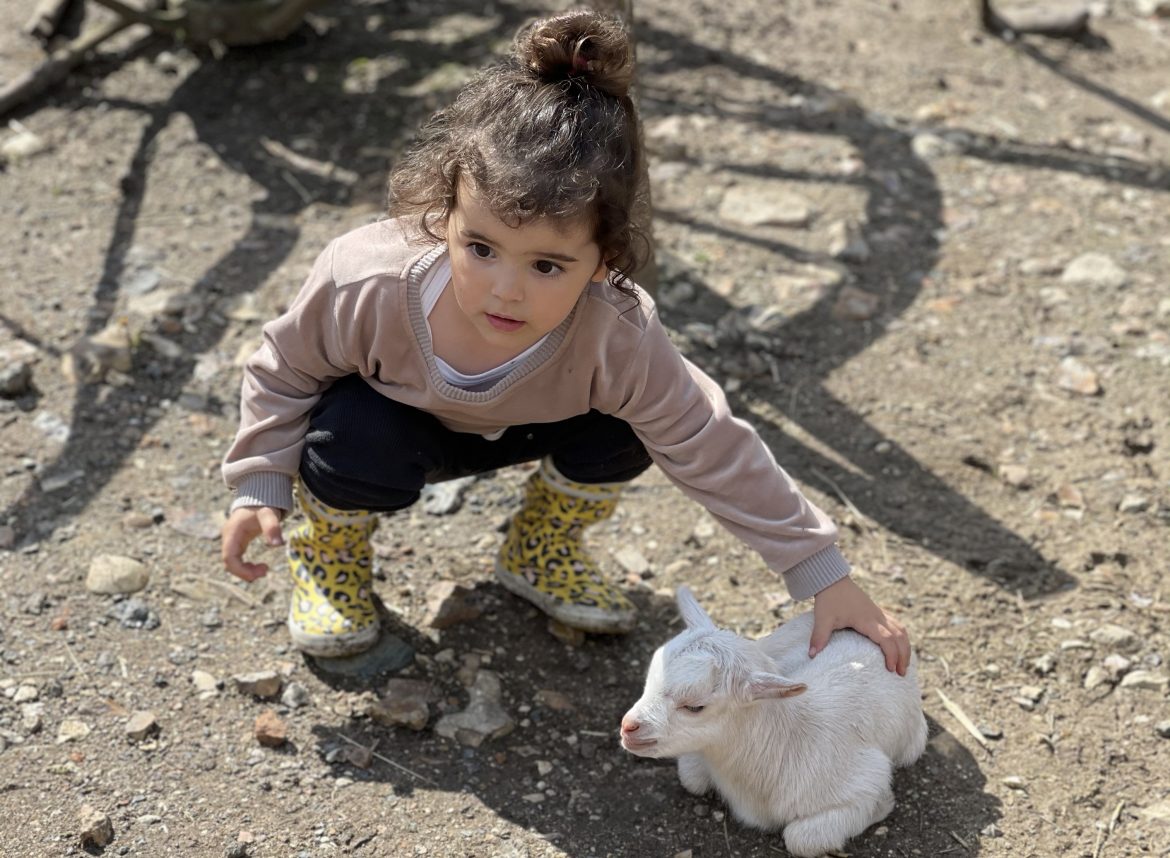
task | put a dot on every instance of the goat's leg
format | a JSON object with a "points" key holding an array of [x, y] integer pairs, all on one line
{"points": [[694, 774], [868, 799]]}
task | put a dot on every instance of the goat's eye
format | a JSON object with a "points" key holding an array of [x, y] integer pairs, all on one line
{"points": [[694, 708]]}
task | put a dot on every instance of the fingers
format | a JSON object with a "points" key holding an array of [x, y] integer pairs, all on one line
{"points": [[270, 526], [240, 530], [822, 630], [895, 644]]}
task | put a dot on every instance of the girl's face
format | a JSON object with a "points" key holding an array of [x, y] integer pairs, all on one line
{"points": [[515, 284]]}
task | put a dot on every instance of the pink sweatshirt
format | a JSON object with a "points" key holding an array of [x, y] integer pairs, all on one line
{"points": [[360, 312]]}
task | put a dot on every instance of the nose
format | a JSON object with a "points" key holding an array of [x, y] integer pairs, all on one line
{"points": [[630, 725], [506, 287]]}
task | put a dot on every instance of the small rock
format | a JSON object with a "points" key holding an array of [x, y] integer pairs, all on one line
{"points": [[989, 732], [1162, 728], [264, 684], [855, 305], [295, 696], [446, 497], [96, 829], [113, 574], [632, 561], [7, 537], [25, 694], [1095, 269], [1014, 782], [847, 242], [15, 379], [1016, 476], [72, 730], [1115, 637], [553, 700], [406, 703], [483, 719], [1095, 677], [1070, 497], [24, 144], [1117, 665], [140, 725], [449, 604], [135, 614], [766, 204], [205, 683], [1133, 503], [1045, 664], [929, 146], [1075, 377], [1146, 680], [270, 730]]}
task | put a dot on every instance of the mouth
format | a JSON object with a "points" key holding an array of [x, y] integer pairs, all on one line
{"points": [[504, 323], [637, 746]]}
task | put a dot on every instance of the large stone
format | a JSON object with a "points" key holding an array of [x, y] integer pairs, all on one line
{"points": [[483, 719], [406, 703], [448, 604], [1095, 269], [96, 829], [765, 204], [264, 684], [112, 574]]}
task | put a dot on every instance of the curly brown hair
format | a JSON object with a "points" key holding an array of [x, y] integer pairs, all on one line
{"points": [[549, 132]]}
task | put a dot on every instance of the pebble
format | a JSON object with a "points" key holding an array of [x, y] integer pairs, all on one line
{"points": [[1014, 782], [1045, 664], [447, 497], [1133, 503], [140, 725], [96, 831], [295, 696], [632, 561], [269, 729], [264, 684], [847, 242], [24, 144], [1162, 728], [15, 379], [855, 305], [1075, 377], [406, 703], [205, 683], [1095, 269], [1146, 680], [1152, 8], [1095, 677], [1115, 637], [135, 614], [72, 730]]}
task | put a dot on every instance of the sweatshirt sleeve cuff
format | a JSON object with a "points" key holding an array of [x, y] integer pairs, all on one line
{"points": [[264, 488], [813, 574]]}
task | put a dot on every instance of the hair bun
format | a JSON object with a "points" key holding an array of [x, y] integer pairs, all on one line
{"points": [[584, 44]]}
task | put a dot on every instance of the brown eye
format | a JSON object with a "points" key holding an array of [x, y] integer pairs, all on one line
{"points": [[480, 249], [546, 267]]}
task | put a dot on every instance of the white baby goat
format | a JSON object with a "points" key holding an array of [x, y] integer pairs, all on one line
{"points": [[808, 744]]}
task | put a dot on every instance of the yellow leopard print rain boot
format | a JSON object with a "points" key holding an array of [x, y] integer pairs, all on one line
{"points": [[332, 611], [543, 560]]}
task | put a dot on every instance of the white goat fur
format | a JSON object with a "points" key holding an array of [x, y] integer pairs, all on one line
{"points": [[808, 744]]}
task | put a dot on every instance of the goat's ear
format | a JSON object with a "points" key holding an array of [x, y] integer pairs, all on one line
{"points": [[764, 686], [692, 612]]}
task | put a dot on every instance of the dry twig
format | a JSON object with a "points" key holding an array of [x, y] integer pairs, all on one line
{"points": [[962, 718]]}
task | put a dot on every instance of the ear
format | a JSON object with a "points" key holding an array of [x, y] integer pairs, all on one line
{"points": [[692, 612], [765, 686], [601, 273]]}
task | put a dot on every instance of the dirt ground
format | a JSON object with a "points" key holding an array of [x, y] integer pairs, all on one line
{"points": [[925, 345]]}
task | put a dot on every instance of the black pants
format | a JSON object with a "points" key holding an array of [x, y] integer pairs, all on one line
{"points": [[365, 451]]}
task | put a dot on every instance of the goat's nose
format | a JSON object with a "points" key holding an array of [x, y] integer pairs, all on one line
{"points": [[629, 725]]}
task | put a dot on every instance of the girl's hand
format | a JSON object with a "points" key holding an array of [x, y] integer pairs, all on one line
{"points": [[844, 605], [242, 526]]}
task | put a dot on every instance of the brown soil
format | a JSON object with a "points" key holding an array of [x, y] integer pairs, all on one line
{"points": [[1006, 519]]}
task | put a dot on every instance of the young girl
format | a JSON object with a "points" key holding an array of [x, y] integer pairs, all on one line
{"points": [[493, 322]]}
